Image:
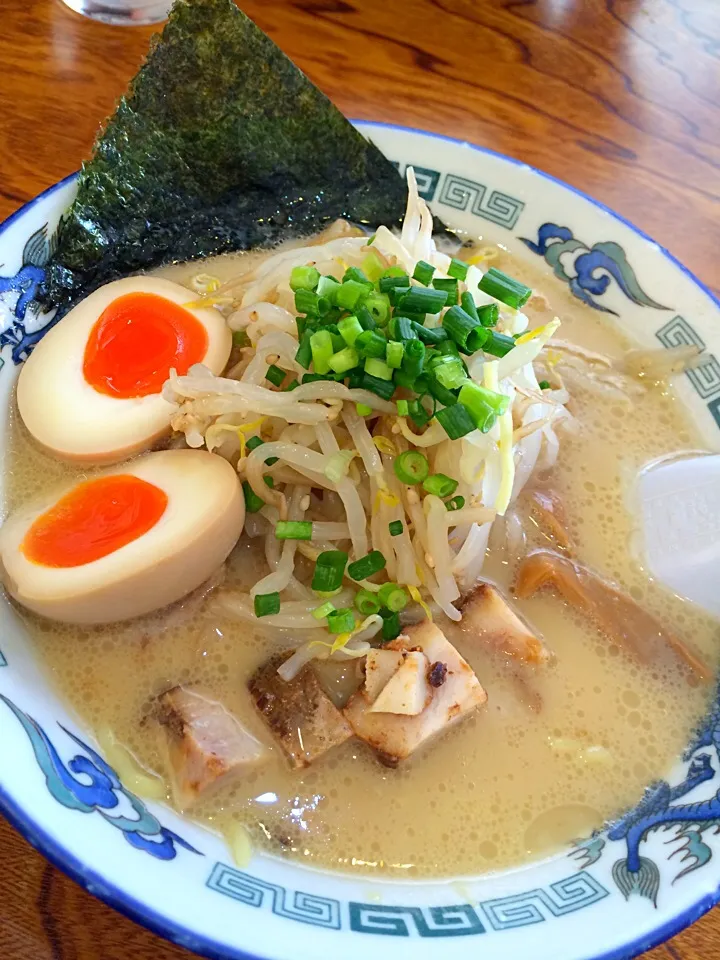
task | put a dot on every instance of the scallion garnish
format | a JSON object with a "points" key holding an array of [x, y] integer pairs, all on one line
{"points": [[341, 621], [411, 467], [370, 344], [455, 421], [367, 602], [366, 566], [413, 359], [240, 338], [423, 300], [355, 273], [468, 304], [378, 368], [350, 329], [423, 272], [449, 285], [457, 503], [498, 344], [402, 329], [440, 485], [344, 360], [351, 294], [304, 278], [489, 314], [303, 354], [386, 284], [395, 527], [394, 354], [402, 408], [323, 610], [392, 596], [378, 306], [275, 375], [253, 503], [327, 287], [266, 604], [365, 318], [293, 530], [372, 267], [457, 269], [464, 329], [448, 371], [381, 388], [391, 627], [504, 288], [483, 405], [363, 409], [311, 304], [254, 442], [440, 393], [291, 386], [321, 346], [429, 335], [329, 569], [544, 385]]}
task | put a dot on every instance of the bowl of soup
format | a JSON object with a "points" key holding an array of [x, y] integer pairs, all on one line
{"points": [[344, 608]]}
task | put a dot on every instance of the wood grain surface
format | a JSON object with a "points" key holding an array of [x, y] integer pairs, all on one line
{"points": [[620, 98]]}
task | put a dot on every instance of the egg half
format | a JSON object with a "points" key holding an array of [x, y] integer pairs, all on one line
{"points": [[91, 389], [126, 541]]}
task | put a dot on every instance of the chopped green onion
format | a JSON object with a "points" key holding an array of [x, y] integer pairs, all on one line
{"points": [[498, 344], [304, 352], [254, 442], [418, 414], [326, 594], [455, 421], [393, 597], [464, 329], [395, 527], [321, 346], [341, 621], [291, 386], [293, 530], [240, 338], [372, 267], [370, 344], [304, 278], [440, 485], [350, 329], [402, 408], [423, 272], [397, 293], [378, 306], [489, 314], [413, 359], [337, 341], [444, 396], [253, 503], [391, 626], [329, 570], [429, 335], [269, 482], [504, 288], [483, 405], [311, 304], [411, 467], [363, 409], [449, 285], [457, 503], [327, 287], [544, 385], [366, 566], [394, 354], [395, 272], [381, 388], [323, 610], [386, 284], [423, 300], [468, 304], [275, 375], [449, 371], [266, 604], [351, 294], [344, 360], [365, 319], [366, 602], [458, 269], [355, 273], [402, 329], [378, 368]]}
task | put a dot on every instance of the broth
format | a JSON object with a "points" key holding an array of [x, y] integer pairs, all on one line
{"points": [[514, 781]]}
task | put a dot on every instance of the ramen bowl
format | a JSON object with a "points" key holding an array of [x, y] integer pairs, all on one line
{"points": [[611, 895]]}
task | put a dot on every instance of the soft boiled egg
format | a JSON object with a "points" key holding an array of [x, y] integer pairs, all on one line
{"points": [[91, 389], [125, 542]]}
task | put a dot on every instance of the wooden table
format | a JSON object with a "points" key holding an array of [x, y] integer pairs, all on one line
{"points": [[618, 97]]}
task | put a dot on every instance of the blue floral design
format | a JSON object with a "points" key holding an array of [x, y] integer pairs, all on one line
{"points": [[22, 288], [658, 811], [609, 257], [102, 794]]}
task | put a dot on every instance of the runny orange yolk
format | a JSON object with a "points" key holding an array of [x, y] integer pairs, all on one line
{"points": [[93, 520], [135, 342]]}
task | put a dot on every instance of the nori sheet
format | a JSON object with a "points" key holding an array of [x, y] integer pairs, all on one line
{"points": [[220, 144]]}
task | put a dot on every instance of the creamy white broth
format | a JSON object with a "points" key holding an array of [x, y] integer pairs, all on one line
{"points": [[554, 753]]}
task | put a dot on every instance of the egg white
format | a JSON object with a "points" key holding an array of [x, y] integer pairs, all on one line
{"points": [[200, 526], [71, 419]]}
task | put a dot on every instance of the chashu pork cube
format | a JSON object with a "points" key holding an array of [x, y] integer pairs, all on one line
{"points": [[380, 665], [489, 617], [408, 690], [301, 716], [205, 745], [454, 690]]}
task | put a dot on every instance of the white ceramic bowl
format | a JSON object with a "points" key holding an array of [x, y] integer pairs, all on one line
{"points": [[612, 896]]}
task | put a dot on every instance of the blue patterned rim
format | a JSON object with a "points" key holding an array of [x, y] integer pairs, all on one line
{"points": [[158, 923]]}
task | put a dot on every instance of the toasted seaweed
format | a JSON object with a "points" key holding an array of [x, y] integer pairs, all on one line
{"points": [[220, 144]]}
